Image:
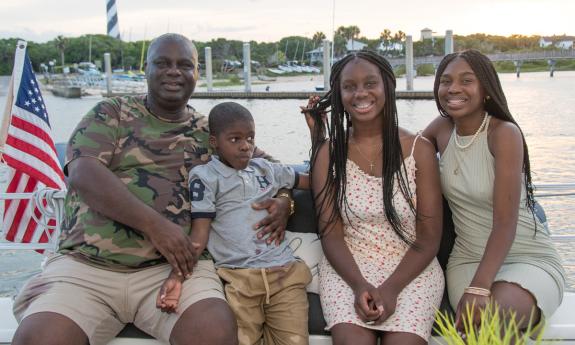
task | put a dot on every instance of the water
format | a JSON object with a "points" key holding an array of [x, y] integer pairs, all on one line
{"points": [[543, 106]]}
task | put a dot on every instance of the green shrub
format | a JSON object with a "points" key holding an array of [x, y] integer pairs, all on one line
{"points": [[234, 79], [493, 329], [426, 69]]}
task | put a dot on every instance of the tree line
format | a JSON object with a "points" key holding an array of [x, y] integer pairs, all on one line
{"points": [[63, 51]]}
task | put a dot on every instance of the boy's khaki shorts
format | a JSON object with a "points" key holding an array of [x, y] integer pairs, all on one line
{"points": [[101, 302], [270, 303]]}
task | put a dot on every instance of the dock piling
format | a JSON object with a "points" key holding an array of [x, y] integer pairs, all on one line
{"points": [[518, 64], [108, 70], [409, 62], [326, 64], [551, 63], [209, 75], [448, 42], [247, 68]]}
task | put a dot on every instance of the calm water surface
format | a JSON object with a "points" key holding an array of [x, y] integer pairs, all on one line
{"points": [[543, 106]]}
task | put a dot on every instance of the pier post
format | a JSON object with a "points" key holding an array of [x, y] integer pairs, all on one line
{"points": [[326, 64], [518, 64], [449, 42], [209, 77], [551, 63], [247, 68], [108, 71], [409, 62]]}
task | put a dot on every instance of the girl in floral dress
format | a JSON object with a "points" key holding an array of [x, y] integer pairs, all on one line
{"points": [[377, 194]]}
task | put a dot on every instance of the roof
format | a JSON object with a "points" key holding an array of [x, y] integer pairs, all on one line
{"points": [[357, 45], [558, 38], [315, 51]]}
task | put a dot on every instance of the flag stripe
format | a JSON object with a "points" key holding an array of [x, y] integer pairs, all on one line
{"points": [[16, 228], [37, 159], [48, 150], [37, 129], [17, 184], [35, 170]]}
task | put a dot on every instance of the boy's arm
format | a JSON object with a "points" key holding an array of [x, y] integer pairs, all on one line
{"points": [[170, 292], [200, 234]]}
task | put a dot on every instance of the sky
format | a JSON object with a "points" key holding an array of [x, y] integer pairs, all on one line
{"points": [[270, 20]]}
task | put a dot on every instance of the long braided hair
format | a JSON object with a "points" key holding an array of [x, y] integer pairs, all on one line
{"points": [[334, 192], [495, 104]]}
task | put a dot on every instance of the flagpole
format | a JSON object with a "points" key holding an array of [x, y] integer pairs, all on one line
{"points": [[7, 115], [14, 83]]}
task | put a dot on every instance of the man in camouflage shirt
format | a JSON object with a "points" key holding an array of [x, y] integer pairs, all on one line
{"points": [[127, 213]]}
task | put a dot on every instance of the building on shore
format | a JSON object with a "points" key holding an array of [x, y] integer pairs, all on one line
{"points": [[561, 42]]}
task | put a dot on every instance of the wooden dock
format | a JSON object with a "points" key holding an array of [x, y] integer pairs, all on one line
{"points": [[281, 94]]}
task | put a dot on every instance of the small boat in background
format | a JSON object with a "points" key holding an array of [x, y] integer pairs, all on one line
{"points": [[67, 91]]}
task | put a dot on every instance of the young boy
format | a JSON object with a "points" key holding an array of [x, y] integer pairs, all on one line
{"points": [[264, 284]]}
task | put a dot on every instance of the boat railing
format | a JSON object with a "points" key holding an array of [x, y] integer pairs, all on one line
{"points": [[548, 190], [54, 209], [50, 203]]}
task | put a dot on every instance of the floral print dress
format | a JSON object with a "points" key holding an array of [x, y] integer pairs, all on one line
{"points": [[377, 250]]}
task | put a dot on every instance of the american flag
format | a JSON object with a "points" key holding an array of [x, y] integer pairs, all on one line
{"points": [[28, 150]]}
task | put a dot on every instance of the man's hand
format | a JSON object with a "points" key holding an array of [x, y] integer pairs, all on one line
{"points": [[176, 247], [274, 224], [105, 193], [169, 294]]}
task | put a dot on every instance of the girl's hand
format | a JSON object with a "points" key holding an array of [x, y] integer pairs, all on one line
{"points": [[309, 119], [385, 301], [468, 301], [363, 304]]}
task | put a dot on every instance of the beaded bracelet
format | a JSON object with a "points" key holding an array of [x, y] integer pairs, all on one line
{"points": [[477, 291]]}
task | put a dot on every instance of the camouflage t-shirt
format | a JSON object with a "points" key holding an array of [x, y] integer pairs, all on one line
{"points": [[152, 157]]}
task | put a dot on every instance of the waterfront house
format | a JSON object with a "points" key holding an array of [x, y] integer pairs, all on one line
{"points": [[353, 46], [561, 42], [390, 48], [426, 34], [315, 56]]}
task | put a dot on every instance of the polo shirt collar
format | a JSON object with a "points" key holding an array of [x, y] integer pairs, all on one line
{"points": [[227, 171]]}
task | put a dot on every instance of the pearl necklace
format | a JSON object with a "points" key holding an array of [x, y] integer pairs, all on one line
{"points": [[371, 162], [463, 147]]}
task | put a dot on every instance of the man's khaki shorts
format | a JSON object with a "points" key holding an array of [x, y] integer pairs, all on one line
{"points": [[101, 302]]}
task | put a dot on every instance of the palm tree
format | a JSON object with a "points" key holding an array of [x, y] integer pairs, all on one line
{"points": [[385, 37], [317, 38], [399, 36], [349, 32], [61, 43], [353, 32]]}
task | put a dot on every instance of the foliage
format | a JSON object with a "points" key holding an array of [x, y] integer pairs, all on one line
{"points": [[127, 55], [497, 44], [534, 66], [399, 71], [495, 327], [317, 38], [426, 69]]}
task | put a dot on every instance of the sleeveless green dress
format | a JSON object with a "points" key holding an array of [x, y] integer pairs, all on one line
{"points": [[467, 181]]}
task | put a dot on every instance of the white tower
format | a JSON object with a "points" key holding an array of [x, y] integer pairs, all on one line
{"points": [[113, 26]]}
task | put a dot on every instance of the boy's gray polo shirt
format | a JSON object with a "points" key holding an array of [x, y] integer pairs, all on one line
{"points": [[225, 194]]}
